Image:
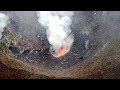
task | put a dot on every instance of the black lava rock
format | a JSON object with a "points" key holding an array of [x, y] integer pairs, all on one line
{"points": [[26, 52], [14, 50]]}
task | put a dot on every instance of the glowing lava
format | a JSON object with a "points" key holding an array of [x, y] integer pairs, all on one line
{"points": [[61, 52]]}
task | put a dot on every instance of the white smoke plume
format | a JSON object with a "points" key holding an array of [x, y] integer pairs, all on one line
{"points": [[57, 24], [3, 22]]}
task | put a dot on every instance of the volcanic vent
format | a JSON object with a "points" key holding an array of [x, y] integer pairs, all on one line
{"points": [[53, 43]]}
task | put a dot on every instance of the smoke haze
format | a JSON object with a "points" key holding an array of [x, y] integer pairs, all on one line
{"points": [[57, 24], [3, 22]]}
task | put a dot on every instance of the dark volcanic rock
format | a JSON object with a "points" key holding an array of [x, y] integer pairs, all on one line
{"points": [[11, 73]]}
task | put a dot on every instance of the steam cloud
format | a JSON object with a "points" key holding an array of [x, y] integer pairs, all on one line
{"points": [[57, 24], [3, 22]]}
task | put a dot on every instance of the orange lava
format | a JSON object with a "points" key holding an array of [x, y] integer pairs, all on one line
{"points": [[62, 51]]}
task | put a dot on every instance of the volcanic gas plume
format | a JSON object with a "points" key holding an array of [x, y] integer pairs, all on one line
{"points": [[3, 22], [57, 25]]}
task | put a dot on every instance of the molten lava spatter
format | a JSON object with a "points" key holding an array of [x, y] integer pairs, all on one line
{"points": [[60, 52]]}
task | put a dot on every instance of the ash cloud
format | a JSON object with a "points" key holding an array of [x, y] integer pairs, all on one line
{"points": [[57, 25], [3, 22]]}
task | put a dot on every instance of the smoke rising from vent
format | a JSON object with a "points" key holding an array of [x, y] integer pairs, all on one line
{"points": [[3, 22], [57, 24]]}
